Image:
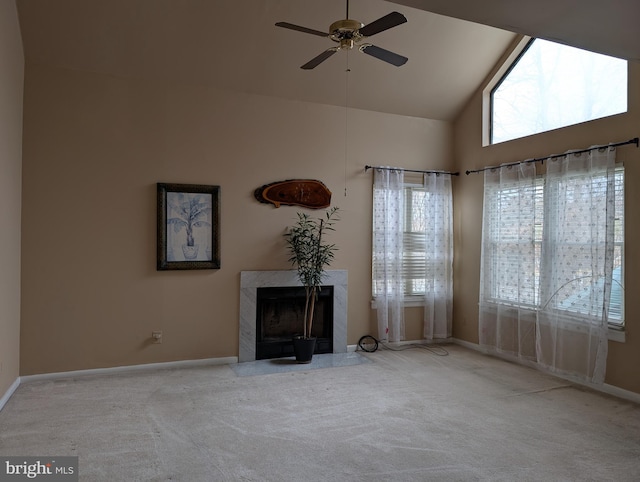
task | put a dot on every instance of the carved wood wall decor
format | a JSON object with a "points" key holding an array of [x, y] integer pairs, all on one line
{"points": [[307, 193]]}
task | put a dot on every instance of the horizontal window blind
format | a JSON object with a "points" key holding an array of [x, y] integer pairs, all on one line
{"points": [[616, 305], [514, 277], [415, 261]]}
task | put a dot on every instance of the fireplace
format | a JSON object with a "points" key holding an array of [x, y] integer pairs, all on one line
{"points": [[251, 281], [280, 316]]}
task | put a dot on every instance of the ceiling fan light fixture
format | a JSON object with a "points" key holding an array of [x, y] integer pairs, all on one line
{"points": [[346, 44]]}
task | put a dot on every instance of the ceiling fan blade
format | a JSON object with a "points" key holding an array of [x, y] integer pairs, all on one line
{"points": [[390, 20], [301, 29], [314, 62], [385, 55]]}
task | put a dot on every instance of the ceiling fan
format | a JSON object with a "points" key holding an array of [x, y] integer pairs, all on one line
{"points": [[349, 33]]}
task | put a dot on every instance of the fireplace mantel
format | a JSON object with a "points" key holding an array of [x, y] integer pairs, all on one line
{"points": [[250, 281]]}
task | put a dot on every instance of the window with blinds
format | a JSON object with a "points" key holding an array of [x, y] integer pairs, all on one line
{"points": [[515, 278], [414, 260], [616, 306], [583, 293], [515, 275]]}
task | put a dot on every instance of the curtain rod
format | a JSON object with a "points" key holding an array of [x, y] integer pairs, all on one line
{"points": [[366, 168], [635, 141]]}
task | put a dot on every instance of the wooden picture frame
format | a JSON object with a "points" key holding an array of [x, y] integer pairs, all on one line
{"points": [[188, 227]]}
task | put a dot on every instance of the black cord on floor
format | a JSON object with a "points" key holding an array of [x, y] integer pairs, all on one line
{"points": [[370, 344]]}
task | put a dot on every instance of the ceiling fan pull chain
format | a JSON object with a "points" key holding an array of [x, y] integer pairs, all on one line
{"points": [[346, 122]]}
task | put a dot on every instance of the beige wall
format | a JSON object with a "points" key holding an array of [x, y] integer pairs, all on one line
{"points": [[11, 73], [624, 358], [94, 148]]}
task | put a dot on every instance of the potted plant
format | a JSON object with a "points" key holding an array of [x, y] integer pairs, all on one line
{"points": [[310, 254]]}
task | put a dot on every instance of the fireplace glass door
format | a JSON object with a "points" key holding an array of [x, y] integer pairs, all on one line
{"points": [[280, 315]]}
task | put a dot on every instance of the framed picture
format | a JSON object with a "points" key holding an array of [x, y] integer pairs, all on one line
{"points": [[188, 226]]}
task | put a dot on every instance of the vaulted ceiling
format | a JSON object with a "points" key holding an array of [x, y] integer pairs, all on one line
{"points": [[607, 27], [232, 44]]}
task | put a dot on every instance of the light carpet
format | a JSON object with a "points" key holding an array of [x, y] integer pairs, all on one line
{"points": [[402, 416]]}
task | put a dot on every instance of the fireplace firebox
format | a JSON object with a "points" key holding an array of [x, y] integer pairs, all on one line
{"points": [[280, 315]]}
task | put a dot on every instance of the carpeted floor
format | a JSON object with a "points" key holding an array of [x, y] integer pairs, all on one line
{"points": [[289, 365], [399, 416]]}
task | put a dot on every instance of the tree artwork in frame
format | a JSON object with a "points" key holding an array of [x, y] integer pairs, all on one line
{"points": [[188, 226]]}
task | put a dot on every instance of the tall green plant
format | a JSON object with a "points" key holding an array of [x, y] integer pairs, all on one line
{"points": [[310, 255]]}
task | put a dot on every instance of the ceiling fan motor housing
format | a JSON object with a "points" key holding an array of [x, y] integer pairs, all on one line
{"points": [[346, 32]]}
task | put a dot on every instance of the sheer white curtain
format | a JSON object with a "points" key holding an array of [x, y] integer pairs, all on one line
{"points": [[388, 230], [438, 255], [577, 264], [509, 260]]}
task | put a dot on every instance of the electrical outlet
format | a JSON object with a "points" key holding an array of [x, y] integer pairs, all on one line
{"points": [[156, 336]]}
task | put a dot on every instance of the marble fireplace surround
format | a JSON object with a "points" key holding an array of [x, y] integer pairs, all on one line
{"points": [[250, 281]]}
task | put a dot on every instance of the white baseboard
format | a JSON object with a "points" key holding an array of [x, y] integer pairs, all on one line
{"points": [[131, 368], [435, 341], [604, 388], [619, 392], [5, 398], [471, 346]]}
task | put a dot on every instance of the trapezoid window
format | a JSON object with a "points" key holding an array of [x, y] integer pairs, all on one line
{"points": [[551, 85]]}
